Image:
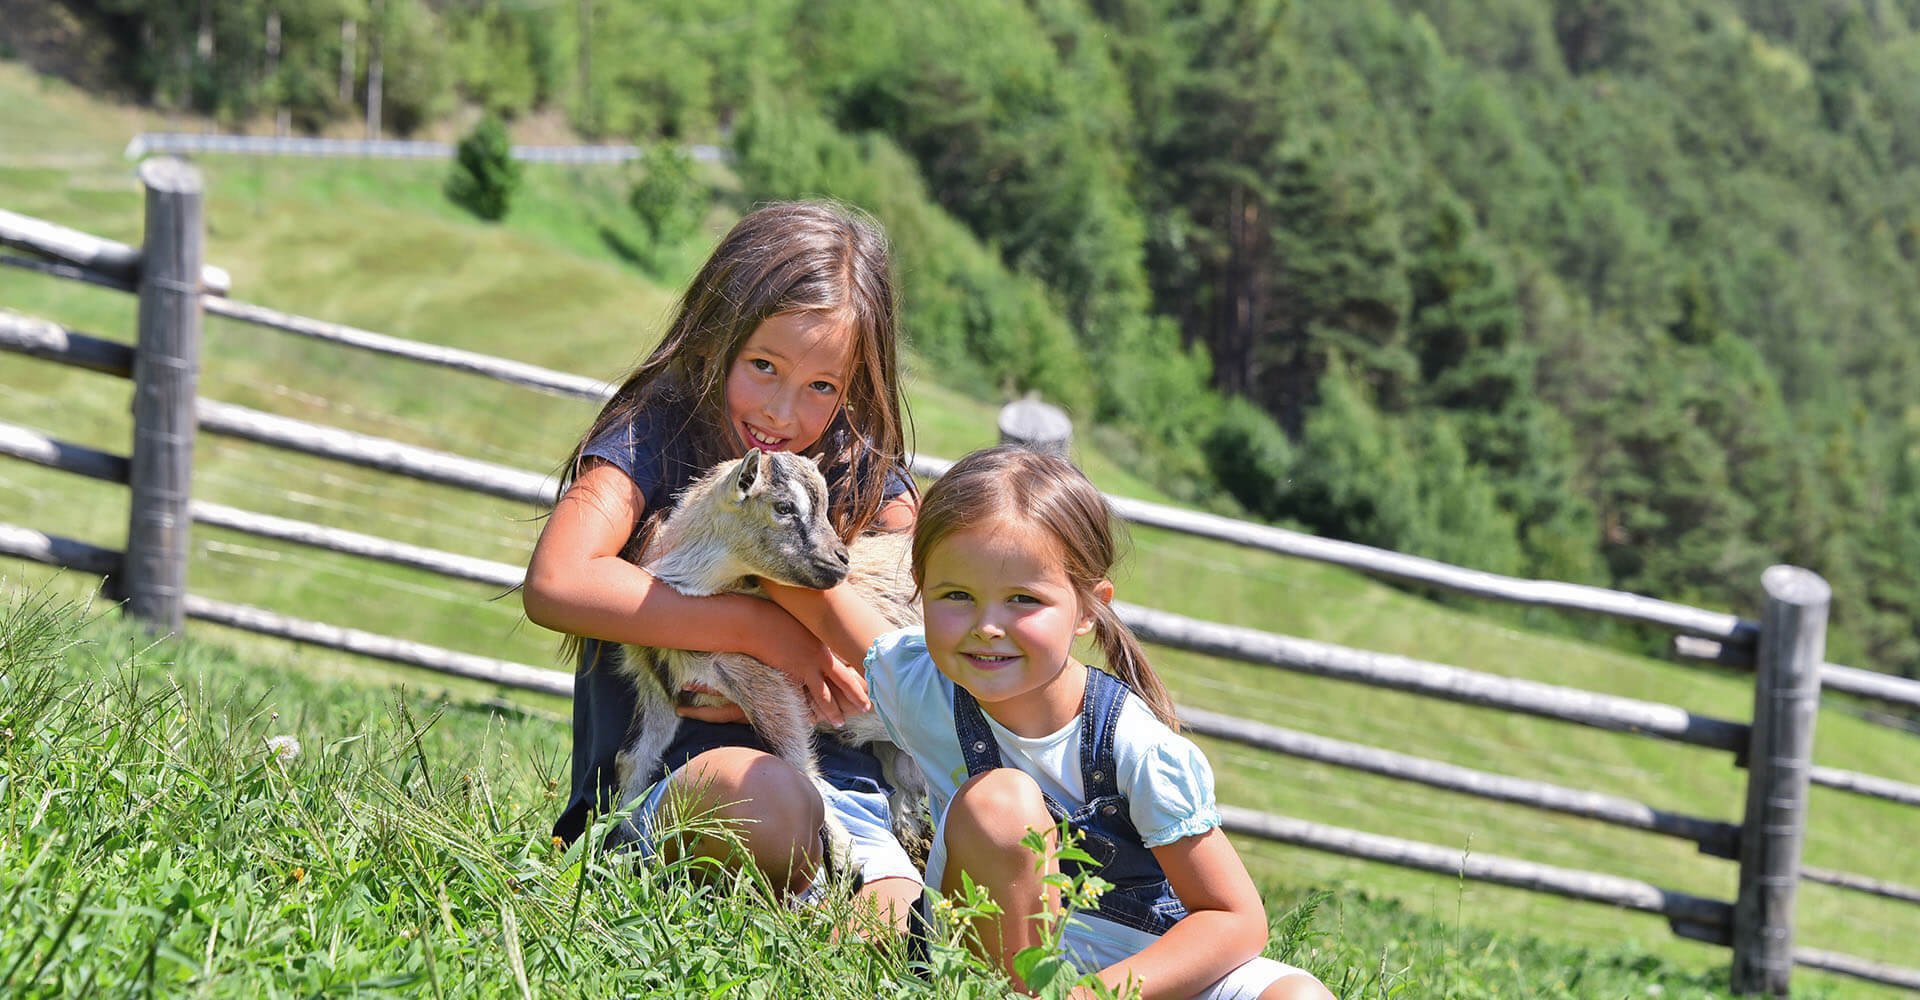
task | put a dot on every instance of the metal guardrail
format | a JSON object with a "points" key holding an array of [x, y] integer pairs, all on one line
{"points": [[190, 143]]}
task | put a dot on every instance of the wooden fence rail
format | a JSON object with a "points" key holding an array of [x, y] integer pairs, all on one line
{"points": [[1713, 836], [1785, 650], [105, 257], [1436, 680]]}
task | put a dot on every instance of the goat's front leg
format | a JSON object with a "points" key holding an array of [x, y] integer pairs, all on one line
{"points": [[775, 706], [654, 726]]}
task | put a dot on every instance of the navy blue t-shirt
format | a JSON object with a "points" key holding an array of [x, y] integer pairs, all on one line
{"points": [[655, 450]]}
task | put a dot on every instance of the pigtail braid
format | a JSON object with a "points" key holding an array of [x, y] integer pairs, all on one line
{"points": [[1128, 661]]}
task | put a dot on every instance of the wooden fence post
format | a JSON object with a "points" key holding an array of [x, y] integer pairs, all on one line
{"points": [[1036, 426], [1786, 698], [166, 371]]}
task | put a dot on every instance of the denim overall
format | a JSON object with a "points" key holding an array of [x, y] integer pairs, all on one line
{"points": [[1140, 897]]}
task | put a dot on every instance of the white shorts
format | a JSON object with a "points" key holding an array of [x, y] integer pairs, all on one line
{"points": [[864, 814], [1092, 944]]}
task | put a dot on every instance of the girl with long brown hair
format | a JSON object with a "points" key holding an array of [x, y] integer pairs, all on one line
{"points": [[784, 341]]}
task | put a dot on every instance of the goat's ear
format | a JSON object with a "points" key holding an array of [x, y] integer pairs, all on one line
{"points": [[751, 472]]}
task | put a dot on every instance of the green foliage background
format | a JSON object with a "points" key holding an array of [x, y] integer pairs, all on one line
{"points": [[1621, 291]]}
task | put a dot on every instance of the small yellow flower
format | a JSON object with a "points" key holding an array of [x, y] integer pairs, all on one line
{"points": [[298, 874], [559, 844]]}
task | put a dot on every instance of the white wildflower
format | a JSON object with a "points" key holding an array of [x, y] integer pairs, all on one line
{"points": [[285, 749]]}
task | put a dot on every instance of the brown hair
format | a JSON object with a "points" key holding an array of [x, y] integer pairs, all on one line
{"points": [[1050, 494], [784, 257]]}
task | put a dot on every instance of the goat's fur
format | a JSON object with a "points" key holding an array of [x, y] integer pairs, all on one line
{"points": [[765, 515]]}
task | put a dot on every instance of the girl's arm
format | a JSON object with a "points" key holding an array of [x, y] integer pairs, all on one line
{"points": [[577, 583], [1225, 925], [839, 616]]}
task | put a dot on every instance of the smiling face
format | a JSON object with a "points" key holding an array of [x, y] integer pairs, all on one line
{"points": [[786, 384], [1001, 619]]}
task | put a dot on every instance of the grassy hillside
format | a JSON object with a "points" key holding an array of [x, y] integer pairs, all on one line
{"points": [[249, 830], [375, 245]]}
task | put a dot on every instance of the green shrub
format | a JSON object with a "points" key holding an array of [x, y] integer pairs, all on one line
{"points": [[1249, 456], [668, 198], [484, 175]]}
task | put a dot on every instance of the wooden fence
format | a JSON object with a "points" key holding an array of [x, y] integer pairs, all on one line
{"points": [[1784, 649]]}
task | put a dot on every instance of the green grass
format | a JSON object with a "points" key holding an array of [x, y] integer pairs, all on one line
{"points": [[160, 838], [375, 245]]}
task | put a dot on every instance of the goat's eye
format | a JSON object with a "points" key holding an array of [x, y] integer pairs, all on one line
{"points": [[783, 508]]}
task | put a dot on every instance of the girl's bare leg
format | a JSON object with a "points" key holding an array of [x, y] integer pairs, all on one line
{"points": [[773, 810], [989, 817]]}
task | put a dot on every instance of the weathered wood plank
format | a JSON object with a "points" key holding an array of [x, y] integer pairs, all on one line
{"points": [[1532, 876], [117, 260], [1833, 676], [1866, 784], [1859, 968], [1036, 425], [353, 543], [32, 446], [39, 338], [65, 272], [480, 668], [512, 372], [1860, 883], [53, 550], [1402, 673], [1786, 701], [166, 375], [1714, 837], [1692, 647], [373, 452], [1870, 684], [1415, 569]]}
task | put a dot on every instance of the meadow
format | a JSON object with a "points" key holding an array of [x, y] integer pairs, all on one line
{"points": [[376, 245]]}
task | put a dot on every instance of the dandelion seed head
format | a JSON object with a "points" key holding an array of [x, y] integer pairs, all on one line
{"points": [[285, 749]]}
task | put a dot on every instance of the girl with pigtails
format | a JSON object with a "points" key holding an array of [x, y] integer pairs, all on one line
{"points": [[1012, 554]]}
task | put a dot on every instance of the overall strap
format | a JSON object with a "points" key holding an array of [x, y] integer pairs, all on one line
{"points": [[1099, 724], [977, 745], [1100, 706]]}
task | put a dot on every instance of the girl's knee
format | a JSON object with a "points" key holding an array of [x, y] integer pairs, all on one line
{"points": [[771, 808], [998, 806], [738, 783]]}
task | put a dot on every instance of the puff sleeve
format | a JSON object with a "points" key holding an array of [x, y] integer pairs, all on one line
{"points": [[1170, 794]]}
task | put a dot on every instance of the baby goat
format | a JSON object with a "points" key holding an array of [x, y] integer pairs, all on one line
{"points": [[765, 515]]}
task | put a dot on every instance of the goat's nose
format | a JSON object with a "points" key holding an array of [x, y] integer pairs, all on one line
{"points": [[844, 557]]}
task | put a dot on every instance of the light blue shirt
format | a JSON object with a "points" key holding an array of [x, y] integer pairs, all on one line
{"points": [[1166, 779]]}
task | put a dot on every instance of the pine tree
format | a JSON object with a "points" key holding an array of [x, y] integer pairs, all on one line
{"points": [[484, 174]]}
